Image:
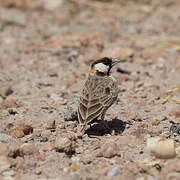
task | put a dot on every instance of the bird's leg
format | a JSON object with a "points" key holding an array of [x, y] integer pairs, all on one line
{"points": [[81, 130], [105, 124]]}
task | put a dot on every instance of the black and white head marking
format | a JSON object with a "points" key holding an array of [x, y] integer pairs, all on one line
{"points": [[102, 68]]}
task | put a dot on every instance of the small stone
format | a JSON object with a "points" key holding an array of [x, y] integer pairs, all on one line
{"points": [[51, 124], [13, 150], [17, 133], [143, 125], [12, 111], [75, 167], [6, 91], [175, 128], [65, 170], [28, 149], [109, 150], [6, 138], [9, 104], [161, 148], [139, 84], [155, 122], [114, 171], [46, 146], [37, 133], [20, 131], [72, 56], [14, 17], [175, 120], [112, 161], [63, 144], [61, 126], [44, 139], [175, 112], [71, 125], [46, 133], [70, 116], [87, 159], [26, 129], [38, 170]]}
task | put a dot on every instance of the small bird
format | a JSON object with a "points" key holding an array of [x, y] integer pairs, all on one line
{"points": [[100, 91]]}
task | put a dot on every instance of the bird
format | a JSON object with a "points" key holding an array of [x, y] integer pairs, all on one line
{"points": [[99, 92]]}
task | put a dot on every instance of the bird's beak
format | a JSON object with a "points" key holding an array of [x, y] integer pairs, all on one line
{"points": [[116, 61]]}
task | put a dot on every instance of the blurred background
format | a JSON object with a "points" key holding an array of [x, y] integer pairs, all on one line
{"points": [[46, 47]]}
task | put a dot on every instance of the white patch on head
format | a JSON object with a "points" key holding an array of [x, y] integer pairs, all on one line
{"points": [[101, 67]]}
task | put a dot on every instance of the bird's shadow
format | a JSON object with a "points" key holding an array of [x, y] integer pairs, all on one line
{"points": [[98, 129]]}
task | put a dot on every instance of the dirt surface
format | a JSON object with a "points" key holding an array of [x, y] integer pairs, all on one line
{"points": [[45, 51]]}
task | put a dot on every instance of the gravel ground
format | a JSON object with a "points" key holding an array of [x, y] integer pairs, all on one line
{"points": [[45, 51]]}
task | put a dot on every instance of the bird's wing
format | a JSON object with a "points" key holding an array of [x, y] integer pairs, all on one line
{"points": [[97, 96]]}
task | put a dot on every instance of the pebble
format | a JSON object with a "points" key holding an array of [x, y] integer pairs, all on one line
{"points": [[6, 91], [87, 159], [112, 161], [13, 149], [175, 112], [51, 124], [20, 131], [161, 148], [13, 17], [28, 149], [175, 120], [114, 171], [71, 125], [17, 133], [9, 104], [38, 170], [63, 144], [109, 150], [5, 138], [44, 139], [71, 58], [37, 133], [155, 122], [70, 116], [65, 170], [175, 128], [46, 133]]}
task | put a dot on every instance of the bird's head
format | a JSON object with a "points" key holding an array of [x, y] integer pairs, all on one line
{"points": [[102, 67]]}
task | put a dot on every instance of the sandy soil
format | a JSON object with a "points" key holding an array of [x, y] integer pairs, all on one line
{"points": [[45, 51]]}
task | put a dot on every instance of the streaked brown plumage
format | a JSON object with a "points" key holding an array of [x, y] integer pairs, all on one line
{"points": [[99, 92]]}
